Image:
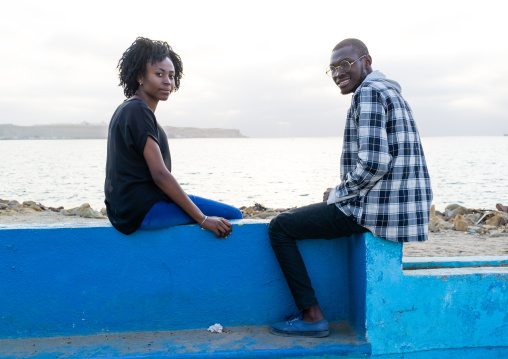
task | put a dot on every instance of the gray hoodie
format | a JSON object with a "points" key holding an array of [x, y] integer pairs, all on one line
{"points": [[379, 76]]}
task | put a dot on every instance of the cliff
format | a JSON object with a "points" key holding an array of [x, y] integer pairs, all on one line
{"points": [[97, 131]]}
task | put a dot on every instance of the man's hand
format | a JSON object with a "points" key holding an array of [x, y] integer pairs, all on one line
{"points": [[326, 194]]}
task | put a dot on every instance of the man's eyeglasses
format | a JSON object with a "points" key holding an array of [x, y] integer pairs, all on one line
{"points": [[344, 65]]}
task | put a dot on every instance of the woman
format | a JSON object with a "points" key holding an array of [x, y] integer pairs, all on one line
{"points": [[141, 192]]}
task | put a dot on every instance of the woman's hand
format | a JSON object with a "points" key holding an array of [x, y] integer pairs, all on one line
{"points": [[218, 225]]}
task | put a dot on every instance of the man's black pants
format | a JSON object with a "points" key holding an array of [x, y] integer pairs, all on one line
{"points": [[310, 222]]}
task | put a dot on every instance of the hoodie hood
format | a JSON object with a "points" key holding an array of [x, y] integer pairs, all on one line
{"points": [[379, 76]]}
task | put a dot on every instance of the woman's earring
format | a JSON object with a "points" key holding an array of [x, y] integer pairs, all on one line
{"points": [[140, 84]]}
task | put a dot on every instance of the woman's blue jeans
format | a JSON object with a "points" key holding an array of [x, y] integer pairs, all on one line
{"points": [[164, 214]]}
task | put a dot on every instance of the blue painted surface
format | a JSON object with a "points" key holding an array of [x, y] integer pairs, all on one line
{"points": [[86, 279], [454, 262], [461, 353], [236, 342], [93, 279], [357, 283], [419, 310]]}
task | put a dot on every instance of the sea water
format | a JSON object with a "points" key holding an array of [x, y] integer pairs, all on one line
{"points": [[275, 172]]}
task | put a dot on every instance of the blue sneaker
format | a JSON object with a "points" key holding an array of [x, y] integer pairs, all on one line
{"points": [[294, 326]]}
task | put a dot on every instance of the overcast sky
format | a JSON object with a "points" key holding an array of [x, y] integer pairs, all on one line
{"points": [[257, 66]]}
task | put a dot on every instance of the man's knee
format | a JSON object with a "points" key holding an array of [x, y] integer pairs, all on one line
{"points": [[275, 228]]}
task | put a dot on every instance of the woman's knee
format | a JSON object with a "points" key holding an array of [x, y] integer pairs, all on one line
{"points": [[214, 208], [236, 213]]}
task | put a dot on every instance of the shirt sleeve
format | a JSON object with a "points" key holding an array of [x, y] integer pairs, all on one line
{"points": [[142, 124], [334, 196], [374, 157]]}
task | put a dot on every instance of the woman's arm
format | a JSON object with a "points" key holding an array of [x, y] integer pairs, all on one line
{"points": [[168, 184]]}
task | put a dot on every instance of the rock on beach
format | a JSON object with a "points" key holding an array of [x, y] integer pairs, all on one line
{"points": [[82, 211], [258, 211], [11, 207]]}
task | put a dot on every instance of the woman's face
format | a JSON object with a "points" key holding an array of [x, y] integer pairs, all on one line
{"points": [[158, 81]]}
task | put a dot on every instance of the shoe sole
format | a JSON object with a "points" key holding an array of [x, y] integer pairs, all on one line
{"points": [[318, 334]]}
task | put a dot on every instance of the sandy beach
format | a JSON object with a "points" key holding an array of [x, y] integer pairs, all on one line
{"points": [[442, 243]]}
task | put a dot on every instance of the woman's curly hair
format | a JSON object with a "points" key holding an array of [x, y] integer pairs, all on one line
{"points": [[133, 62]]}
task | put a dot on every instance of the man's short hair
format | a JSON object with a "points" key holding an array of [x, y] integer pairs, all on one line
{"points": [[358, 46]]}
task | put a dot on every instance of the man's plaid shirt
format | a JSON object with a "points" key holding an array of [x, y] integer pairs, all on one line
{"points": [[384, 164]]}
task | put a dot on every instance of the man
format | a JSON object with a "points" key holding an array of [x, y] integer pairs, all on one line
{"points": [[384, 189]]}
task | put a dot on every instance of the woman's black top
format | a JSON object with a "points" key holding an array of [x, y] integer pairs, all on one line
{"points": [[129, 188]]}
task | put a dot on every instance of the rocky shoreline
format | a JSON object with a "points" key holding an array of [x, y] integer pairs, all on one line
{"points": [[455, 217], [14, 208], [9, 208], [457, 231]]}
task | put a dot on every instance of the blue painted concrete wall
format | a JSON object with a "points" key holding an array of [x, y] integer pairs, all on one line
{"points": [[417, 310], [357, 283], [63, 280], [78, 280]]}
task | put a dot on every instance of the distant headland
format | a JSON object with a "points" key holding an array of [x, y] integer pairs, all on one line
{"points": [[87, 130]]}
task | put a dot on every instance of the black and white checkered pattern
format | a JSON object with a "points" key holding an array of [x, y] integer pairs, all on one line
{"points": [[383, 161]]}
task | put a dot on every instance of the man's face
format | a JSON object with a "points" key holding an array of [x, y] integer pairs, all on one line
{"points": [[348, 82]]}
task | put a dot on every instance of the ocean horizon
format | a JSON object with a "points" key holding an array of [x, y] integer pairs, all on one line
{"points": [[275, 172]]}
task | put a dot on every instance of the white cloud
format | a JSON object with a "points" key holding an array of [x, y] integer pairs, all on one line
{"points": [[254, 66]]}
